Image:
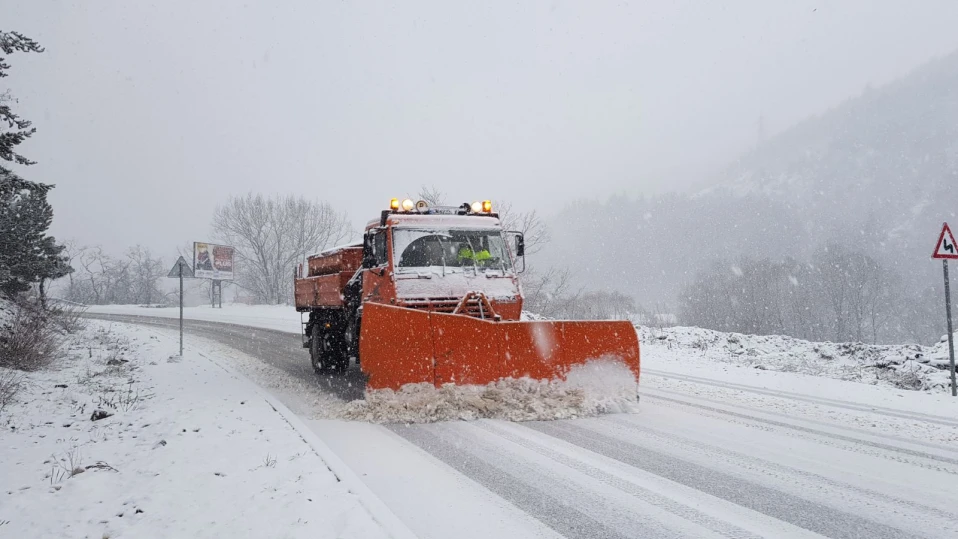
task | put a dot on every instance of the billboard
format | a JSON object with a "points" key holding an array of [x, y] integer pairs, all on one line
{"points": [[211, 261]]}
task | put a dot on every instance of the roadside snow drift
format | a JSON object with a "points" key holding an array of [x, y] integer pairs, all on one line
{"points": [[276, 317], [903, 366], [591, 389], [123, 440]]}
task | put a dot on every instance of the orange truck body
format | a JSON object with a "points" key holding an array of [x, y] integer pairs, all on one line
{"points": [[411, 311]]}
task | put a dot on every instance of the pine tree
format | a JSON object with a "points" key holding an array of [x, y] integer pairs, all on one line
{"points": [[27, 255], [18, 129]]}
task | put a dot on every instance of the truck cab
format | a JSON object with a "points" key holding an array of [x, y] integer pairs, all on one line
{"points": [[432, 258], [450, 259]]}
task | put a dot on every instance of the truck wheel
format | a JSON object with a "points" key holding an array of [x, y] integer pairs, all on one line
{"points": [[317, 352], [337, 355]]}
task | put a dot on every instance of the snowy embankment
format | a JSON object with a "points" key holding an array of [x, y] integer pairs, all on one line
{"points": [[909, 366], [123, 439], [276, 317]]}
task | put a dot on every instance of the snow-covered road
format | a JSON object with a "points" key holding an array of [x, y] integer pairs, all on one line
{"points": [[702, 458]]}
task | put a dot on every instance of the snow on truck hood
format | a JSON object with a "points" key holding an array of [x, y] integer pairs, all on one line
{"points": [[431, 283]]}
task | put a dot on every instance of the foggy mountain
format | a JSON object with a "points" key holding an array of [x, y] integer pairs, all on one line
{"points": [[877, 174], [881, 170]]}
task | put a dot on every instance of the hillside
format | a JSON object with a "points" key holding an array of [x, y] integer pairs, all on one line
{"points": [[878, 174], [883, 166]]}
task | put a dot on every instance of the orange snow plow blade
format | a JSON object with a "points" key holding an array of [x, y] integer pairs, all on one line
{"points": [[400, 346]]}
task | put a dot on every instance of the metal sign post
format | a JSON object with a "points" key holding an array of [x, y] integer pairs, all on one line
{"points": [[181, 270], [947, 250], [951, 331], [217, 293], [181, 309]]}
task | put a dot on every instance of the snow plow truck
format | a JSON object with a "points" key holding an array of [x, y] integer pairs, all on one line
{"points": [[432, 295]]}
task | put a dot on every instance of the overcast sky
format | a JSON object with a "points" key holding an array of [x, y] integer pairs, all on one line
{"points": [[150, 113]]}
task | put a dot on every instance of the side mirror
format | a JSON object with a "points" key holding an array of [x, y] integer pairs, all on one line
{"points": [[369, 254], [520, 250]]}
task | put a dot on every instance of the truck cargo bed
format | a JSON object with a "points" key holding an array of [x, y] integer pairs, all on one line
{"points": [[342, 259], [321, 290]]}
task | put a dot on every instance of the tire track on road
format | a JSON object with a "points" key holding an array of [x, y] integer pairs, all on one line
{"points": [[640, 493], [539, 497], [803, 513], [835, 403], [736, 456], [817, 432]]}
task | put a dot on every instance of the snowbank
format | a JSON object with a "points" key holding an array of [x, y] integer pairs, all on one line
{"points": [[595, 388], [907, 366], [276, 317], [125, 440]]}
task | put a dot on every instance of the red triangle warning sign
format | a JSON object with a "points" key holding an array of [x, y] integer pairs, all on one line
{"points": [[946, 247]]}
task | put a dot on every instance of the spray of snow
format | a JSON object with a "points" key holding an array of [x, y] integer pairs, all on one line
{"points": [[598, 387]]}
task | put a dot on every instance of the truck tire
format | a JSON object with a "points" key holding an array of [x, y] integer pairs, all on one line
{"points": [[327, 352], [316, 354]]}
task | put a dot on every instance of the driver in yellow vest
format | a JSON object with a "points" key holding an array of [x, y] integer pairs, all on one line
{"points": [[478, 257]]}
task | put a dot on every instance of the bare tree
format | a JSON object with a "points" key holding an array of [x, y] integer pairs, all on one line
{"points": [[146, 272], [532, 226], [602, 305], [547, 293], [432, 195], [71, 251], [831, 263], [101, 279], [90, 285], [272, 235], [843, 296]]}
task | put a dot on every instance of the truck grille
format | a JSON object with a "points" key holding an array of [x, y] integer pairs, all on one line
{"points": [[474, 304], [438, 305]]}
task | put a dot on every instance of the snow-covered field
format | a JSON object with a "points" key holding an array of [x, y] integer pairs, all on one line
{"points": [[911, 366], [121, 438]]}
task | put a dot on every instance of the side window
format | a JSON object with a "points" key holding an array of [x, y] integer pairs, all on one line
{"points": [[379, 248]]}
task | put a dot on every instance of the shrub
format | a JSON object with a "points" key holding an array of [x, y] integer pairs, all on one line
{"points": [[30, 340], [10, 384]]}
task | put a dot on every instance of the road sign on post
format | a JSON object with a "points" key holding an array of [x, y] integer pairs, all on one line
{"points": [[181, 270], [947, 250], [211, 261]]}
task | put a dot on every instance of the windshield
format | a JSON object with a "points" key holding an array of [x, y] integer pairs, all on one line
{"points": [[451, 249]]}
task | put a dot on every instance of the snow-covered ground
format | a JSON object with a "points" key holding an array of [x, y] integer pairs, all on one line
{"points": [[277, 317], [187, 448], [716, 448], [911, 366]]}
